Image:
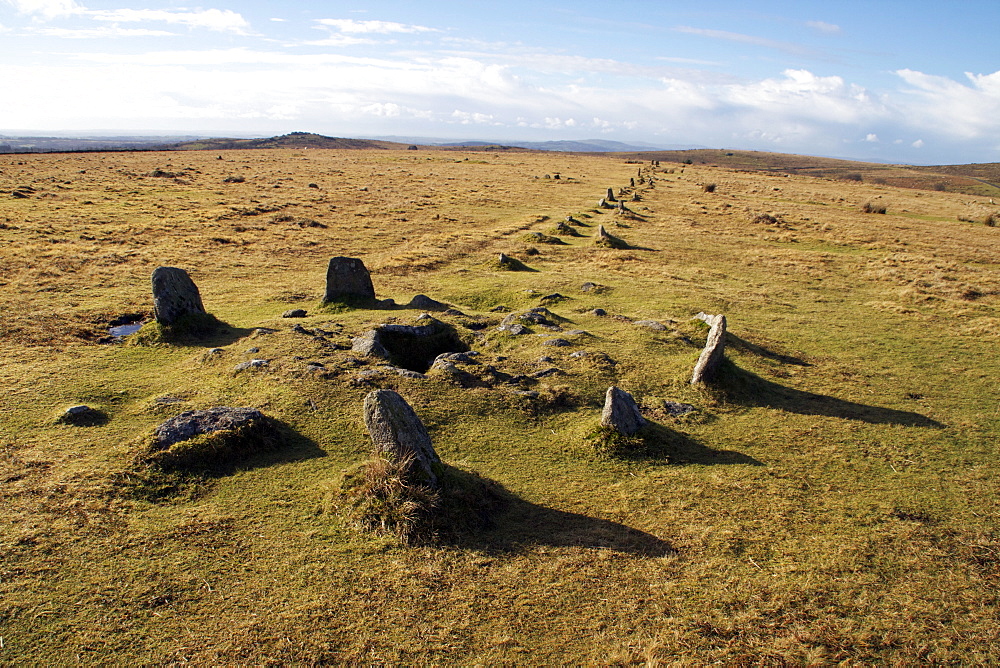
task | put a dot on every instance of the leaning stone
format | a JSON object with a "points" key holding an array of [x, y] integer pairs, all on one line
{"points": [[399, 435], [707, 366], [621, 412], [425, 303], [189, 424], [174, 295], [348, 280], [294, 313]]}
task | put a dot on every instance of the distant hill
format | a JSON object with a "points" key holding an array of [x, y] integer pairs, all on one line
{"points": [[296, 140]]}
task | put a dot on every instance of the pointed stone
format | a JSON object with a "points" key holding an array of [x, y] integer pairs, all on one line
{"points": [[174, 295], [714, 352], [611, 195], [621, 413], [398, 434]]}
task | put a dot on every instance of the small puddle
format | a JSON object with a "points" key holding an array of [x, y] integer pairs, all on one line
{"points": [[125, 330]]}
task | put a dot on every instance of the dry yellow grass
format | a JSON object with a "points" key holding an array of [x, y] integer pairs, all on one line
{"points": [[836, 500]]}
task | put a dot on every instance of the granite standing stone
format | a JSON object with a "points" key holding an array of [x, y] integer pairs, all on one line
{"points": [[399, 435], [174, 295], [347, 279], [621, 413], [714, 352]]}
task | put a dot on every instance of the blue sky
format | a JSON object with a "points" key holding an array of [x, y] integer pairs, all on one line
{"points": [[915, 82]]}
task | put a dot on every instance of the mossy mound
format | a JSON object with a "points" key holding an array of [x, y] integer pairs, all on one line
{"points": [[378, 496]]}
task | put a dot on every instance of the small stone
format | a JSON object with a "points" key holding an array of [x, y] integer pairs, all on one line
{"points": [[621, 413], [588, 286], [251, 364], [252, 351], [263, 331], [575, 332], [551, 371], [578, 354], [294, 313], [299, 329], [517, 329], [425, 303], [675, 409], [553, 298], [651, 324], [544, 359], [557, 342], [599, 312]]}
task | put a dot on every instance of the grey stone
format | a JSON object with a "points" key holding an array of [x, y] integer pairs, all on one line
{"points": [[348, 280], [551, 371], [707, 366], [599, 312], [675, 409], [621, 413], [398, 434], [578, 354], [611, 195], [588, 286], [575, 332], [174, 295], [651, 324], [189, 424], [516, 328], [425, 303], [251, 364], [251, 351], [294, 313], [544, 359], [559, 343]]}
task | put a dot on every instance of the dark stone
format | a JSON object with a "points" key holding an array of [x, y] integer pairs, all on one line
{"points": [[675, 409], [621, 413], [560, 343], [398, 435], [189, 424], [611, 195], [174, 295], [425, 303], [599, 312], [82, 416], [348, 281], [516, 328], [294, 313]]}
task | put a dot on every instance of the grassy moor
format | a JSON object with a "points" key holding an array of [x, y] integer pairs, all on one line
{"points": [[831, 495]]}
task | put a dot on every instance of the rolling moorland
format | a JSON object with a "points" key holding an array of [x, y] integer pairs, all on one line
{"points": [[833, 497]]}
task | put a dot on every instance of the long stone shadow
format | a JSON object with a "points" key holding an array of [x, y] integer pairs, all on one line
{"points": [[747, 388], [290, 446], [512, 525], [761, 351], [657, 442]]}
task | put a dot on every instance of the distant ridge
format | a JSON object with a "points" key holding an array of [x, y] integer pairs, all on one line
{"points": [[299, 140]]}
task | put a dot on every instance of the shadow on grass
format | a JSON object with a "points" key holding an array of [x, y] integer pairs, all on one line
{"points": [[203, 330], [760, 351], [498, 521], [655, 442], [748, 389]]}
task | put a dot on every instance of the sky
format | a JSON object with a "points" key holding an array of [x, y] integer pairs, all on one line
{"points": [[905, 82]]}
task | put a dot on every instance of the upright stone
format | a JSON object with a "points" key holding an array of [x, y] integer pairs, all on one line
{"points": [[707, 366], [399, 435], [347, 280], [621, 413], [174, 295], [611, 195]]}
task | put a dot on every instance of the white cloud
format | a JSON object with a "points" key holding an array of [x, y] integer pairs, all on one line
{"points": [[823, 26], [372, 27], [222, 20], [788, 47], [102, 32], [944, 105], [918, 144], [48, 9], [871, 137]]}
